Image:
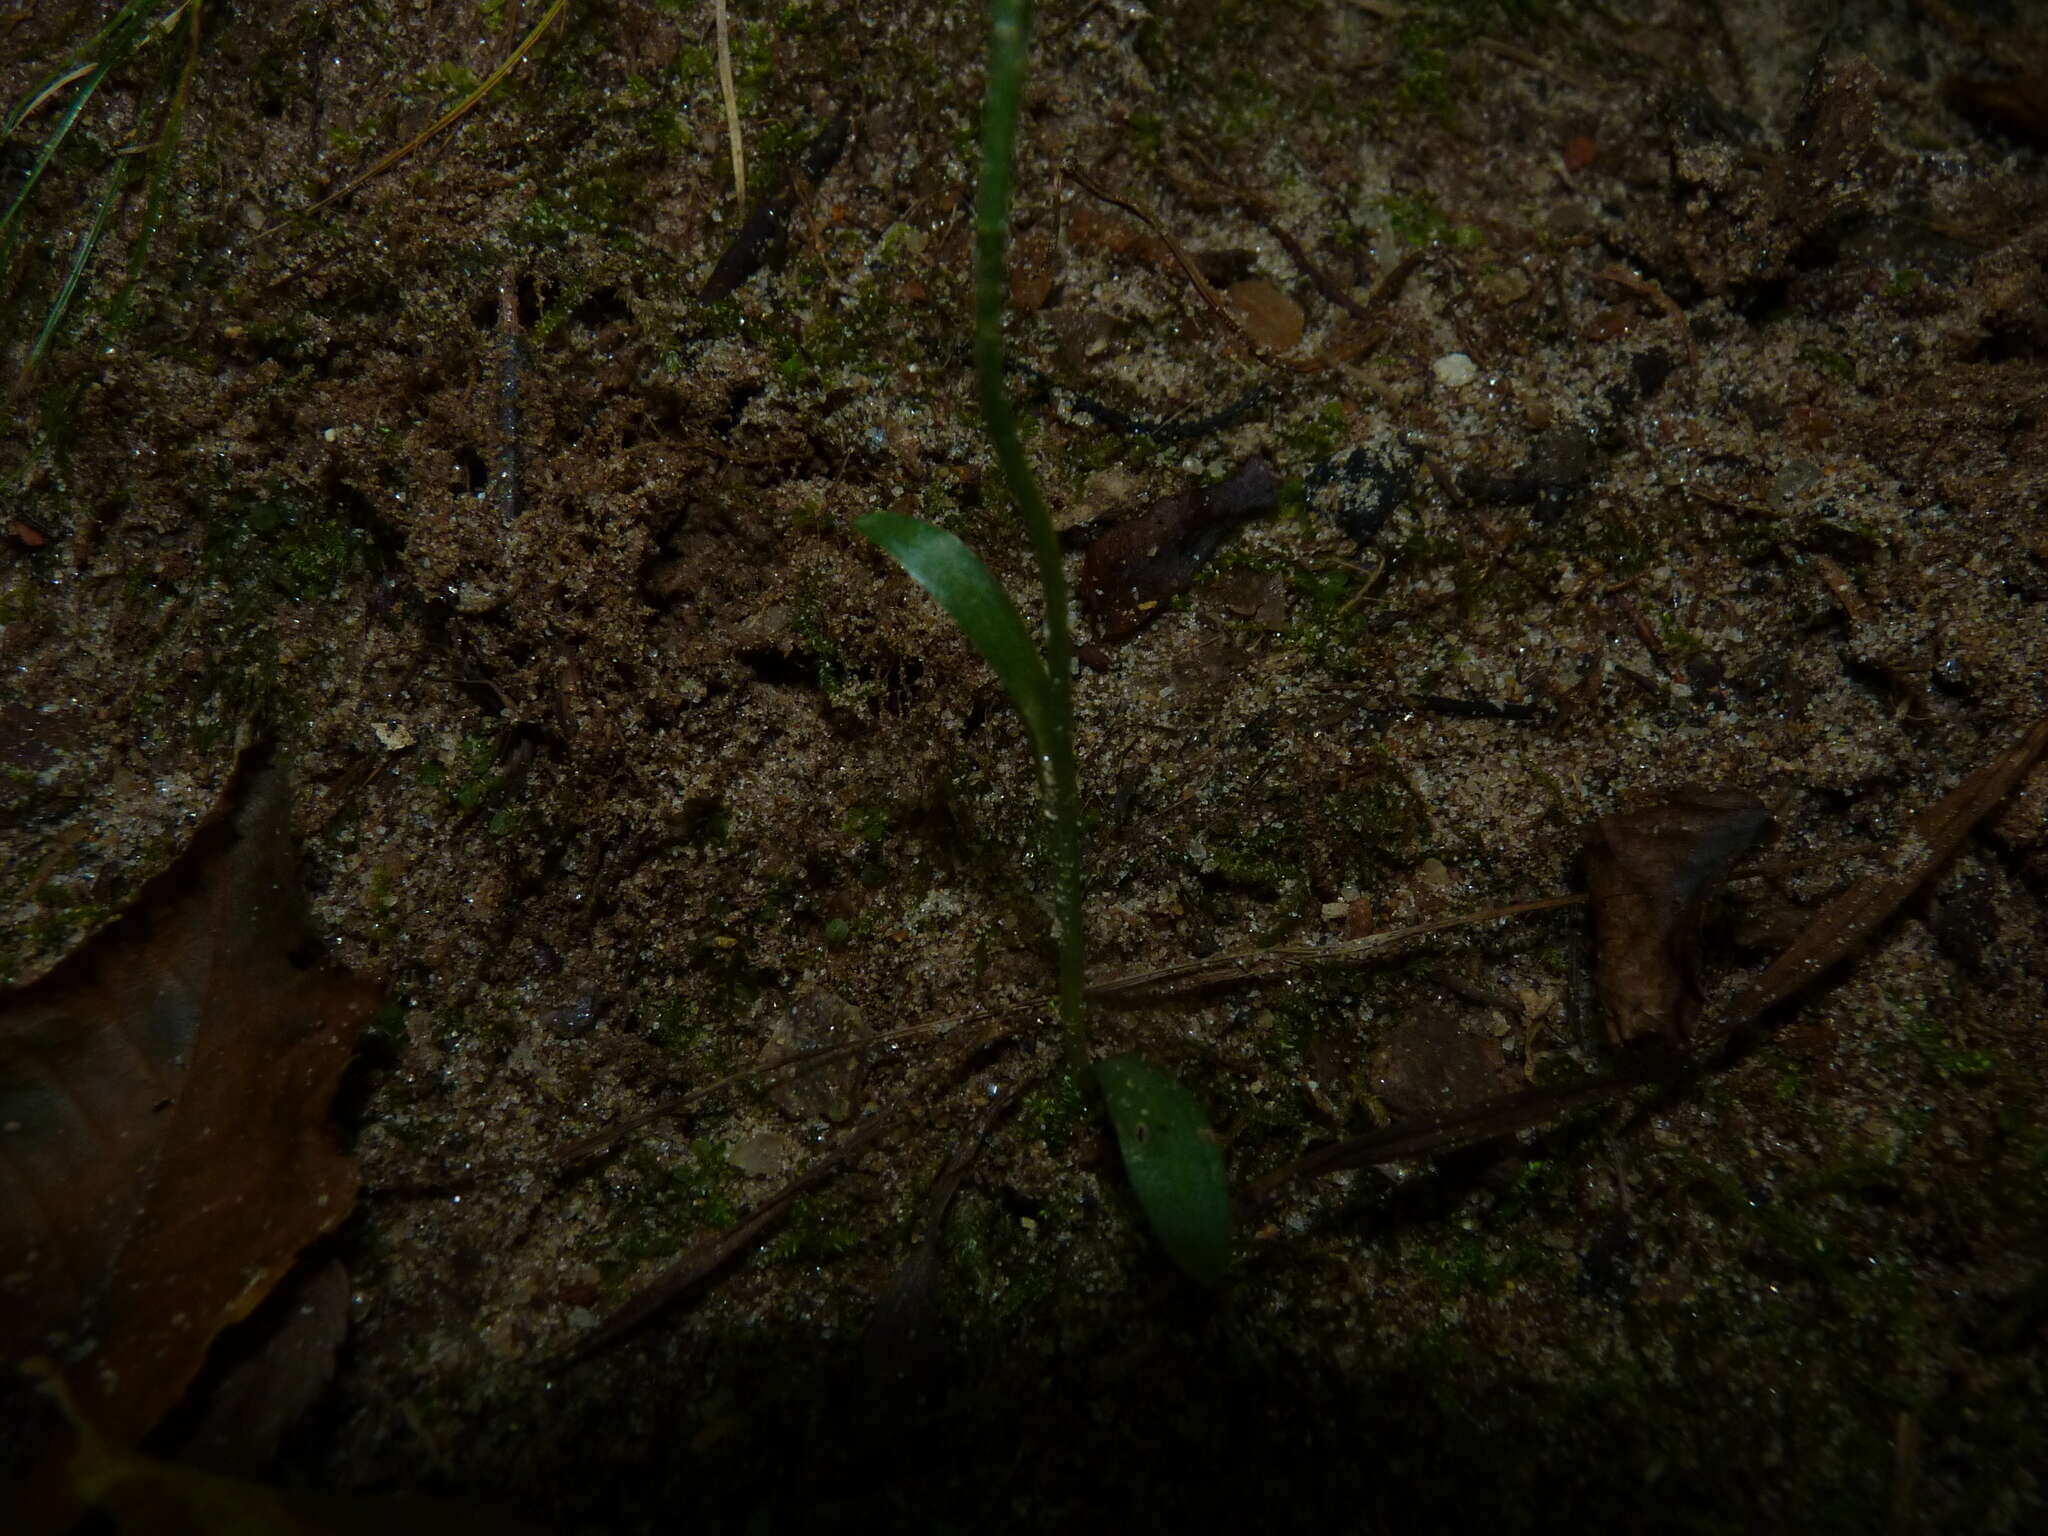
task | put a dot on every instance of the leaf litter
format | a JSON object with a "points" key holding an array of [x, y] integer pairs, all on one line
{"points": [[166, 1141]]}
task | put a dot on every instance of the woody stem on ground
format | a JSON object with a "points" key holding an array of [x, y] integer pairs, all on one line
{"points": [[1057, 778]]}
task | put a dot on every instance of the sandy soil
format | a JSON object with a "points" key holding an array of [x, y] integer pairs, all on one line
{"points": [[1706, 443]]}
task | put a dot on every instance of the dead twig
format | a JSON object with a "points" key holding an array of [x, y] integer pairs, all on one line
{"points": [[1650, 289], [899, 1334], [1243, 965], [1834, 932], [1514, 53], [604, 1140], [1214, 188], [1415, 1138], [713, 1254], [1853, 916]]}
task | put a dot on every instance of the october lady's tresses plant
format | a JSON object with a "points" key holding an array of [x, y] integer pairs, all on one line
{"points": [[1173, 1161]]}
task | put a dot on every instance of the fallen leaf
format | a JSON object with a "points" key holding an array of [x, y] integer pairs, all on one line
{"points": [[1647, 876], [259, 1400], [148, 1496], [165, 1144], [1091, 229], [1430, 1062], [1270, 317], [1131, 571]]}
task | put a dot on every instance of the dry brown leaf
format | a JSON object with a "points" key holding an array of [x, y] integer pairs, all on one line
{"points": [[1270, 317], [1130, 572], [259, 1400], [147, 1496], [165, 1143], [1648, 873]]}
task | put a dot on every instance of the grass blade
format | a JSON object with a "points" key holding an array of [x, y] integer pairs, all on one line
{"points": [[954, 574], [87, 244], [52, 142], [1174, 1163], [1008, 50]]}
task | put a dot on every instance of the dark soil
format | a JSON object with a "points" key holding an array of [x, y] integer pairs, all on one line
{"points": [[1706, 444]]}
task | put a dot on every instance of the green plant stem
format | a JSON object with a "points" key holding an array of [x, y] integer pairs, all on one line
{"points": [[1057, 778]]}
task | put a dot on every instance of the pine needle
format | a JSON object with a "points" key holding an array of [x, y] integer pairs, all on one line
{"points": [[732, 106], [447, 120]]}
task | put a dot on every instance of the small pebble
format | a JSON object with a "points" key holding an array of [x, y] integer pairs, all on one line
{"points": [[1454, 370]]}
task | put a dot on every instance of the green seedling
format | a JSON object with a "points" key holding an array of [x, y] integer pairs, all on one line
{"points": [[1173, 1161], [57, 104], [1169, 1151]]}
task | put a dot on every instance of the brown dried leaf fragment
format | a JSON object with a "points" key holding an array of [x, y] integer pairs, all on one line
{"points": [[1131, 571], [258, 1400], [165, 1144], [1648, 873], [1269, 316]]}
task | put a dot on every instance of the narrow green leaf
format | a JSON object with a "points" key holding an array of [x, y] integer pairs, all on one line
{"points": [[87, 243], [1174, 1162], [954, 574]]}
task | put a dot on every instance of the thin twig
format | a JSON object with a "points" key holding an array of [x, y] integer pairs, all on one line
{"points": [[1262, 964], [611, 1135], [1259, 208], [712, 1255], [1514, 53], [511, 368], [1414, 1138], [1836, 930], [1647, 288], [1854, 915]]}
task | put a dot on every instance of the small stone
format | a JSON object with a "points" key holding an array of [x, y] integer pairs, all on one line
{"points": [[1454, 370], [1792, 483], [394, 734], [817, 1020], [1358, 918], [1102, 492], [1507, 285], [761, 1154], [472, 598]]}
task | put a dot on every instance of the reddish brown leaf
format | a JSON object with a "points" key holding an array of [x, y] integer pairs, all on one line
{"points": [[1272, 318], [1647, 875], [165, 1146], [1132, 570]]}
